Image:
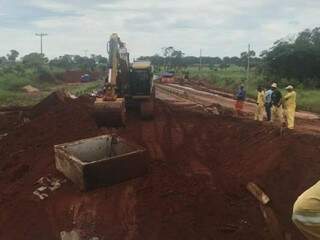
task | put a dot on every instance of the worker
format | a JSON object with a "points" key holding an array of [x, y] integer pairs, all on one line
{"points": [[276, 101], [306, 212], [240, 97], [290, 106], [268, 103], [260, 104]]}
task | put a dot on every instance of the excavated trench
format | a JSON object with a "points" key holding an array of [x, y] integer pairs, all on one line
{"points": [[198, 168]]}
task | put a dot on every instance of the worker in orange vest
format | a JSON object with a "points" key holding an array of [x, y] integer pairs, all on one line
{"points": [[240, 98]]}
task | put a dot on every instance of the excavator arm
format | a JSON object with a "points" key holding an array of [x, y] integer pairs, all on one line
{"points": [[118, 68], [110, 110]]}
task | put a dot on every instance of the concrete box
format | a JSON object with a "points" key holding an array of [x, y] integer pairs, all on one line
{"points": [[100, 161]]}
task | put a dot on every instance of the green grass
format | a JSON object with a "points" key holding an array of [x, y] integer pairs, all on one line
{"points": [[16, 98], [14, 78], [309, 100], [230, 79], [84, 88], [20, 98]]}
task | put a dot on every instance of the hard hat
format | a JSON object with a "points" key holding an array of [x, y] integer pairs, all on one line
{"points": [[290, 87], [274, 85]]}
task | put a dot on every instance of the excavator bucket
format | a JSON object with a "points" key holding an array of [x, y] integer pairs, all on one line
{"points": [[110, 113]]}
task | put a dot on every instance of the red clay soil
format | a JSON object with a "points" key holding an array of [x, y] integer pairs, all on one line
{"points": [[74, 76], [8, 122], [195, 189]]}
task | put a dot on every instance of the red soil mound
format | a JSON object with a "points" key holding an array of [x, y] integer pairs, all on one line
{"points": [[195, 189], [26, 155], [74, 76]]}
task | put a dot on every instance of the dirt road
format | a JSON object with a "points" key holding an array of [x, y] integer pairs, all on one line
{"points": [[190, 95], [199, 165]]}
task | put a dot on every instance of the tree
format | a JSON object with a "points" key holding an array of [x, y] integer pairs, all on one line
{"points": [[156, 60], [167, 52], [34, 60], [244, 57], [296, 60], [13, 55], [84, 63], [177, 56], [100, 62], [65, 61], [3, 60]]}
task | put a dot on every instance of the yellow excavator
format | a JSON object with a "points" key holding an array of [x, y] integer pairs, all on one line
{"points": [[126, 85]]}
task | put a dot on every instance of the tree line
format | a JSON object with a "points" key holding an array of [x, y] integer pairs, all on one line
{"points": [[295, 60], [44, 69], [172, 58], [67, 62]]}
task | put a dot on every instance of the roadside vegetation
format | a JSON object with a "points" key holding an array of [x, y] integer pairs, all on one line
{"points": [[308, 99], [46, 75], [293, 61]]}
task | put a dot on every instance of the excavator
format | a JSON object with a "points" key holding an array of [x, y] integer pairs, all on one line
{"points": [[127, 85]]}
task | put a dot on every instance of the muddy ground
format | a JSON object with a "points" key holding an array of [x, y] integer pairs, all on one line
{"points": [[306, 122], [199, 165]]}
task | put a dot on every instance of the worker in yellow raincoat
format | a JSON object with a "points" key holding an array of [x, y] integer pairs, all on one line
{"points": [[260, 105], [306, 213], [290, 106]]}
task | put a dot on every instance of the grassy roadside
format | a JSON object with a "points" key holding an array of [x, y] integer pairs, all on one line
{"points": [[11, 97], [229, 79]]}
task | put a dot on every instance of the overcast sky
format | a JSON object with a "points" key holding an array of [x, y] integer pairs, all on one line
{"points": [[219, 27]]}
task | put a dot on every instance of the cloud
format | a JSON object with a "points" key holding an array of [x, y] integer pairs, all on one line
{"points": [[219, 27]]}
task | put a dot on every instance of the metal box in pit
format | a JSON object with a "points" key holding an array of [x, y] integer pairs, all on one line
{"points": [[100, 161]]}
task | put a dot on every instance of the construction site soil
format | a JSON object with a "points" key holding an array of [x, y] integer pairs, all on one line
{"points": [[75, 76], [199, 166]]}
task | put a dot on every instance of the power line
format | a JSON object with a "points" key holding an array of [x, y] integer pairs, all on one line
{"points": [[41, 35]]}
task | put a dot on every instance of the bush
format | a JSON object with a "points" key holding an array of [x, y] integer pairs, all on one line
{"points": [[13, 82], [45, 75]]}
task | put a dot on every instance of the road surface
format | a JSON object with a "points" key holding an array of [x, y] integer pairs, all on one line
{"points": [[189, 96]]}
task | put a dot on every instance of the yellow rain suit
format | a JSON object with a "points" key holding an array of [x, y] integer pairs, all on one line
{"points": [[290, 108], [277, 115], [306, 212], [260, 106]]}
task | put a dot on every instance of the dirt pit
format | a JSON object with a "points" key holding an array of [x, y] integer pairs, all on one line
{"points": [[199, 166]]}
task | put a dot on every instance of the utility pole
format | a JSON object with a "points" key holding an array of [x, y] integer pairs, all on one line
{"points": [[200, 64], [41, 35], [248, 66]]}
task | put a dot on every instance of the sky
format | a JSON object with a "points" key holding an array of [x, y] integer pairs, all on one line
{"points": [[218, 27]]}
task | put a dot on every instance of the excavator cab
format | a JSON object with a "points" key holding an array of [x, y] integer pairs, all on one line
{"points": [[141, 89], [140, 83]]}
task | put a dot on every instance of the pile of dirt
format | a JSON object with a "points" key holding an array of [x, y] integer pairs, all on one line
{"points": [[199, 166], [9, 121], [30, 89], [58, 99], [50, 102], [27, 152]]}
